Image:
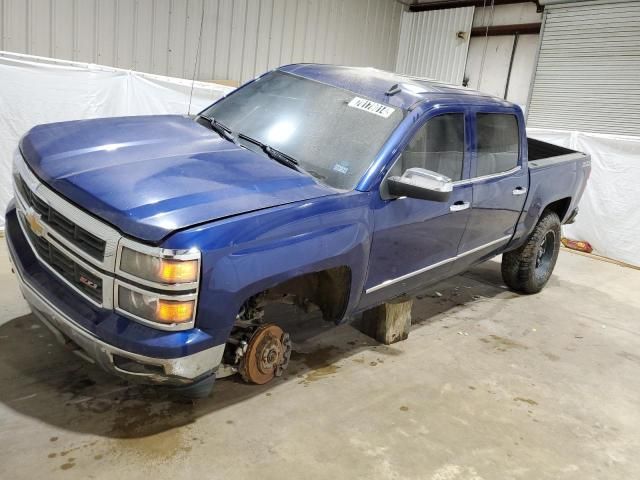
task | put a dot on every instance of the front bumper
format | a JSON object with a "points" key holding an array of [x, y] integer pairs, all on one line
{"points": [[175, 371], [183, 370]]}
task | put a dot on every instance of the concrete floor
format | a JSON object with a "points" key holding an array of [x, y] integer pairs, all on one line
{"points": [[489, 385]]}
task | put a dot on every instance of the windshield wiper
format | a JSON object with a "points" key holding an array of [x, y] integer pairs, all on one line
{"points": [[276, 155], [220, 128]]}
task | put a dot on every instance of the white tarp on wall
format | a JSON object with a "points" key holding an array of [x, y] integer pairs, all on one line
{"points": [[36, 90], [609, 217]]}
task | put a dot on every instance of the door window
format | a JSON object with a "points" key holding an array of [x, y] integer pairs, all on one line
{"points": [[438, 146], [498, 143]]}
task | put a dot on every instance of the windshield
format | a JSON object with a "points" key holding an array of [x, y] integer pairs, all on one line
{"points": [[332, 133]]}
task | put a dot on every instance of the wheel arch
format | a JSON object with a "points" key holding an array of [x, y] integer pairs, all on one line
{"points": [[533, 213], [559, 207], [329, 289]]}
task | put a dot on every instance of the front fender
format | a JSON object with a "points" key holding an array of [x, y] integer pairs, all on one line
{"points": [[246, 254]]}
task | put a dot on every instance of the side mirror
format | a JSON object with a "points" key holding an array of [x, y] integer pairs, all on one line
{"points": [[422, 184]]}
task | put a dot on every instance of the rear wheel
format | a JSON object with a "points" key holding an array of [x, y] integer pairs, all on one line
{"points": [[527, 269]]}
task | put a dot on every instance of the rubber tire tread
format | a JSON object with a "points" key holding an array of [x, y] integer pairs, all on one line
{"points": [[519, 265]]}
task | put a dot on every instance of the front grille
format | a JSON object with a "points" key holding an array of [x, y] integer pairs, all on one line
{"points": [[75, 274], [67, 229]]}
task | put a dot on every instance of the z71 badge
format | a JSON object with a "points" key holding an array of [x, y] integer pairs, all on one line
{"points": [[85, 281]]}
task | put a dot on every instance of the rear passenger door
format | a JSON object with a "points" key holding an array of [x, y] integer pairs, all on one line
{"points": [[500, 184]]}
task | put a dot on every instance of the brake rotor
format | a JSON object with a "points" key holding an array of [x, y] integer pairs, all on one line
{"points": [[267, 355]]}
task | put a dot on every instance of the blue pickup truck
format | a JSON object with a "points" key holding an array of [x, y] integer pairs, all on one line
{"points": [[153, 244]]}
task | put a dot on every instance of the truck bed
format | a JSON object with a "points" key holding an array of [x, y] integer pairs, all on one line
{"points": [[556, 174], [543, 154]]}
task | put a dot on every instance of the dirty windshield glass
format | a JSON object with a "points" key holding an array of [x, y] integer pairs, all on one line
{"points": [[332, 133]]}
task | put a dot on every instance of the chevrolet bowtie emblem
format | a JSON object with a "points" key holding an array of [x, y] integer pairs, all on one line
{"points": [[35, 222]]}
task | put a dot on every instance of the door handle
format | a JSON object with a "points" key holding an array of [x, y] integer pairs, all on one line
{"points": [[459, 205], [519, 191]]}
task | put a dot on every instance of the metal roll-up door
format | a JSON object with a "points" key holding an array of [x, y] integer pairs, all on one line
{"points": [[588, 73]]}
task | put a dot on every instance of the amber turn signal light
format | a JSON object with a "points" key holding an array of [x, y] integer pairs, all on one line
{"points": [[170, 311], [179, 271]]}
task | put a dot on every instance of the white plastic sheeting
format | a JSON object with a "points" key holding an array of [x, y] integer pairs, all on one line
{"points": [[609, 217], [35, 90]]}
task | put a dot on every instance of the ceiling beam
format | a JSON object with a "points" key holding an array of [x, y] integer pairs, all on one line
{"points": [[442, 4], [495, 30]]}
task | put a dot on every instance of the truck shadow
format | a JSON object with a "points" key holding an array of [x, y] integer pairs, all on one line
{"points": [[41, 380]]}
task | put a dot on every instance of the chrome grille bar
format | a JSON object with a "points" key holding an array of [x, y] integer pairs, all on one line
{"points": [[72, 267]]}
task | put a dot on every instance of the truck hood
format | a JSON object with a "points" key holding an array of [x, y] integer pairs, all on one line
{"points": [[151, 175]]}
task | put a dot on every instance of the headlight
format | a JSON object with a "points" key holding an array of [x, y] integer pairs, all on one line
{"points": [[157, 286], [155, 308], [157, 269]]}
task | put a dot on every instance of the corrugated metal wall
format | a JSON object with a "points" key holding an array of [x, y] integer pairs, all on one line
{"points": [[241, 38], [588, 71], [430, 46]]}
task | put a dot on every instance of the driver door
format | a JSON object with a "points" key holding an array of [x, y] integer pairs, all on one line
{"points": [[416, 240]]}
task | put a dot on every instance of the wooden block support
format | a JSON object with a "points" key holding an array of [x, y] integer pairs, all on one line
{"points": [[388, 323]]}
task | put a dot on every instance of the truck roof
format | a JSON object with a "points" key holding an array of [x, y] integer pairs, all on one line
{"points": [[374, 83]]}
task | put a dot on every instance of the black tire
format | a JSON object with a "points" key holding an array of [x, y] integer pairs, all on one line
{"points": [[527, 269]]}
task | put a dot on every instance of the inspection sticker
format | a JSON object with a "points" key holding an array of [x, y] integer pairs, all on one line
{"points": [[340, 168], [371, 107]]}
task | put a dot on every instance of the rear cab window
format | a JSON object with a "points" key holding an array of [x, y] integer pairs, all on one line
{"points": [[498, 143]]}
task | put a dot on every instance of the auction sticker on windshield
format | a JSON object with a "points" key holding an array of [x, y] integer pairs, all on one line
{"points": [[371, 107]]}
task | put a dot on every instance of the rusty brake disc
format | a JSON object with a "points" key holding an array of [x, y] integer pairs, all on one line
{"points": [[267, 354]]}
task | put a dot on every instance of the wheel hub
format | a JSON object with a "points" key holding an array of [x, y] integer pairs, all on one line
{"points": [[545, 249], [540, 254], [267, 355]]}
